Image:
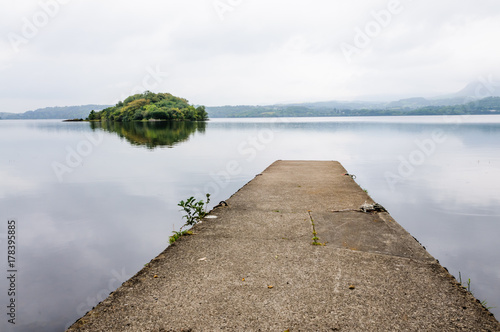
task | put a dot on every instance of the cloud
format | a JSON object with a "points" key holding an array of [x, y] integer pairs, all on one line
{"points": [[259, 52]]}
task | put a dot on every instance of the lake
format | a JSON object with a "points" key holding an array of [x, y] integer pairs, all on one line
{"points": [[93, 203]]}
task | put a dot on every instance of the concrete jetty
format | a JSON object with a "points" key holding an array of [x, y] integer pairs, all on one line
{"points": [[255, 267]]}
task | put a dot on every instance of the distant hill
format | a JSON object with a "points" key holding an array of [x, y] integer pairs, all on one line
{"points": [[415, 103], [66, 112], [269, 111], [490, 105], [469, 100], [346, 105], [473, 92]]}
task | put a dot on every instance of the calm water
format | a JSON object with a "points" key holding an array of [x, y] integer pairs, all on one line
{"points": [[94, 204]]}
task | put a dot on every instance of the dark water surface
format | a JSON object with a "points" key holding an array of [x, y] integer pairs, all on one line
{"points": [[94, 203]]}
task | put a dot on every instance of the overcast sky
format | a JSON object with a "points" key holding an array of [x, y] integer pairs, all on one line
{"points": [[230, 52]]}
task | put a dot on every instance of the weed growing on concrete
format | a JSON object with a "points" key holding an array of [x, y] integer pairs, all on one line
{"points": [[195, 211], [467, 286], [315, 234], [177, 235]]}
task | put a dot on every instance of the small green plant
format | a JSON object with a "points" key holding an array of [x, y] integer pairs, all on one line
{"points": [[195, 211], [467, 286], [315, 243], [315, 237], [177, 235], [485, 304]]}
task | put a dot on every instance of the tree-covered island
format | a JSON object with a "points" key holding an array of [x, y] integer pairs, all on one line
{"points": [[151, 106]]}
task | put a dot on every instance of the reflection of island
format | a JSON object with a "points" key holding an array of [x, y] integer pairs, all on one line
{"points": [[152, 134]]}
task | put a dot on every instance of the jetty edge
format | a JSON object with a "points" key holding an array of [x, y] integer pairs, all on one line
{"points": [[255, 267]]}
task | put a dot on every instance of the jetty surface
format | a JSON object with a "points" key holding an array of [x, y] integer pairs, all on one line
{"points": [[301, 247]]}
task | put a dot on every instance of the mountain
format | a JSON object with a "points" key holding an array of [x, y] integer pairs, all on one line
{"points": [[66, 112], [475, 90]]}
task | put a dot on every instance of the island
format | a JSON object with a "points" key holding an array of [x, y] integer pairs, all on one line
{"points": [[149, 106]]}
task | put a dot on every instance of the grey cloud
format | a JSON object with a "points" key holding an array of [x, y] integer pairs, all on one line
{"points": [[94, 52]]}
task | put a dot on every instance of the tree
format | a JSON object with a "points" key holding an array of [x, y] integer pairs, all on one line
{"points": [[201, 114]]}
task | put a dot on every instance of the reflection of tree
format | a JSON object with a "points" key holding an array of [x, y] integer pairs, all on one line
{"points": [[152, 134]]}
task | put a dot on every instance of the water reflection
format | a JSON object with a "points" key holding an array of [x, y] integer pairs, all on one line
{"points": [[152, 134], [114, 212]]}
